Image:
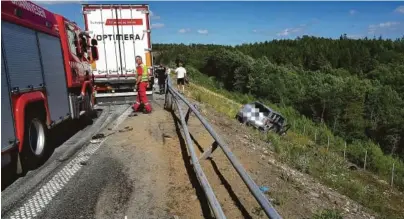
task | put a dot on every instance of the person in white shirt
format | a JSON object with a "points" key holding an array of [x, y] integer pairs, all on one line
{"points": [[181, 74]]}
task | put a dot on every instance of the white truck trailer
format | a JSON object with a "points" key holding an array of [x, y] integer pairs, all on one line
{"points": [[122, 33]]}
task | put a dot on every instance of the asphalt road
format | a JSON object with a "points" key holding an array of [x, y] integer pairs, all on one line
{"points": [[87, 178], [39, 191]]}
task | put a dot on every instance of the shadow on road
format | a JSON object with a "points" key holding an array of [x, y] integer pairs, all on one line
{"points": [[225, 183], [191, 173], [57, 136], [233, 195]]}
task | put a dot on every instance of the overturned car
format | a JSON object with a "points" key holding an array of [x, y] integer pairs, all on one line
{"points": [[263, 118]]}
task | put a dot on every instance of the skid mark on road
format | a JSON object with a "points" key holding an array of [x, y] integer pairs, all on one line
{"points": [[34, 206]]}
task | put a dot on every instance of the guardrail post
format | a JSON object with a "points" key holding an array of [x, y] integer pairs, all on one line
{"points": [[206, 154], [167, 101], [189, 112], [187, 116]]}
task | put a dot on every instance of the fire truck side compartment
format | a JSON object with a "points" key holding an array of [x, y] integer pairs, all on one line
{"points": [[55, 77], [30, 65], [22, 55], [7, 122]]}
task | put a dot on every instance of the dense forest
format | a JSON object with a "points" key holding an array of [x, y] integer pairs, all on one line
{"points": [[355, 87]]}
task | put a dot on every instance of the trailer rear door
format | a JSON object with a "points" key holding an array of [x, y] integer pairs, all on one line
{"points": [[122, 32]]}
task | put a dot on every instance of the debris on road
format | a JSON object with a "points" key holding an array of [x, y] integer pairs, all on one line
{"points": [[166, 136], [95, 141], [98, 136], [264, 189], [126, 129], [132, 114]]}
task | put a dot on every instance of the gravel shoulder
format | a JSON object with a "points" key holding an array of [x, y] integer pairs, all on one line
{"points": [[156, 175]]}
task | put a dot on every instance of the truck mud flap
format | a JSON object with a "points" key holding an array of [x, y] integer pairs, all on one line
{"points": [[103, 99]]}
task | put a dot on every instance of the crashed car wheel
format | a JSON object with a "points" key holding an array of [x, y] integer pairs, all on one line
{"points": [[264, 130], [238, 118], [241, 119]]}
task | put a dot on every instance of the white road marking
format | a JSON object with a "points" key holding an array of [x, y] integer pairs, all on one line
{"points": [[33, 206]]}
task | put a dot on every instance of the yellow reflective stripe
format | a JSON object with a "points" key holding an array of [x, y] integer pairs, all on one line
{"points": [[145, 76], [148, 59]]}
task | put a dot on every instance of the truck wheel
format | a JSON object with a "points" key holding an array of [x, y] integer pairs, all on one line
{"points": [[35, 142], [91, 113], [92, 101]]}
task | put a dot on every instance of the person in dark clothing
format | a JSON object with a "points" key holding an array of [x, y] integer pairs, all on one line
{"points": [[161, 72]]}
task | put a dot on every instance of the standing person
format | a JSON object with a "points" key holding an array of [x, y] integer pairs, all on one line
{"points": [[161, 75], [142, 83], [181, 74]]}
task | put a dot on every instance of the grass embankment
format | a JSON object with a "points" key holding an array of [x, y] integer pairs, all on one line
{"points": [[306, 147]]}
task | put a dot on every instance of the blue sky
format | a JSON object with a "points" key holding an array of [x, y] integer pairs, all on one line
{"points": [[244, 22]]}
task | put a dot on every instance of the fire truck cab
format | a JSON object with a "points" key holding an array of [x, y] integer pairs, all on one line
{"points": [[45, 79]]}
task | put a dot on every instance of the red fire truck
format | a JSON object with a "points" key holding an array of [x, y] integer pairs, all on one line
{"points": [[46, 79]]}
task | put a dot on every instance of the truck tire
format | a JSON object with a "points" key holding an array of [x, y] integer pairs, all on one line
{"points": [[88, 106], [35, 141], [92, 113]]}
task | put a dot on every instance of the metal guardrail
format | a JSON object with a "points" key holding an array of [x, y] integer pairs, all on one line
{"points": [[173, 97]]}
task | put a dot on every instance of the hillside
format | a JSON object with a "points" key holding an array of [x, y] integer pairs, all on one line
{"points": [[299, 155], [340, 114], [352, 86]]}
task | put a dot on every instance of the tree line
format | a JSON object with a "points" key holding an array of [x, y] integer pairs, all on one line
{"points": [[355, 87]]}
